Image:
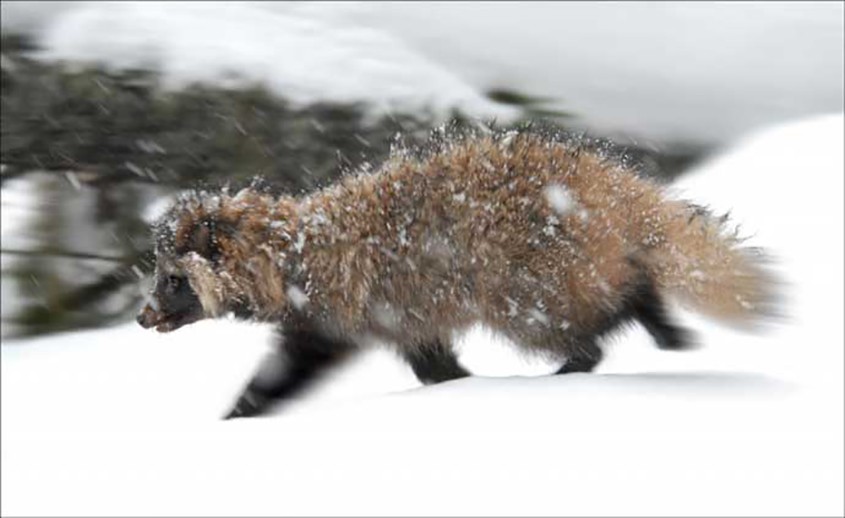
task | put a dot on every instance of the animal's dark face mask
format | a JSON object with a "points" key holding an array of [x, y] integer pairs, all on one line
{"points": [[173, 304], [187, 255]]}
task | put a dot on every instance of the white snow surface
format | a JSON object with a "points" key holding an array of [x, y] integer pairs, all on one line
{"points": [[126, 421], [659, 71]]}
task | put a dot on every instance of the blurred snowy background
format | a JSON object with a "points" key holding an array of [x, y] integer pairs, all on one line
{"points": [[109, 108]]}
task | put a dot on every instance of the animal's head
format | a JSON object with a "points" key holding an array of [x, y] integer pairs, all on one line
{"points": [[173, 303], [214, 256], [184, 240]]}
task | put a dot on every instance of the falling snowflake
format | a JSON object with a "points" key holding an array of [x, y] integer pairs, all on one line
{"points": [[297, 297], [560, 199]]}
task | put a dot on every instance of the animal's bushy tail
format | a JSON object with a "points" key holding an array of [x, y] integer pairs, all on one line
{"points": [[703, 263]]}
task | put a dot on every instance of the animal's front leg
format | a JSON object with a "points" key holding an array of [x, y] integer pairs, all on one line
{"points": [[300, 358], [434, 362], [584, 359]]}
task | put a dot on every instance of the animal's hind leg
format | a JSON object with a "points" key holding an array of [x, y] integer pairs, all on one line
{"points": [[588, 355], [434, 363], [300, 358], [649, 309]]}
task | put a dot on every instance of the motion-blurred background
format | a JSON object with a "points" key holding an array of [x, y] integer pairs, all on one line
{"points": [[109, 108]]}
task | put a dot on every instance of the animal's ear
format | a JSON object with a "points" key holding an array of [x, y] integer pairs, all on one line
{"points": [[200, 240], [204, 240]]}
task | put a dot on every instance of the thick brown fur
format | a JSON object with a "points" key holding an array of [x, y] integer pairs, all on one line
{"points": [[542, 240]]}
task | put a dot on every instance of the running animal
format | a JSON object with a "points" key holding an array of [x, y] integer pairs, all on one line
{"points": [[548, 242]]}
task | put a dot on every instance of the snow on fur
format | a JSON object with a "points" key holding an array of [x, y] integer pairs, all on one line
{"points": [[466, 231]]}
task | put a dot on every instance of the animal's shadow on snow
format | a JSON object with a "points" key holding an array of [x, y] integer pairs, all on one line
{"points": [[673, 384]]}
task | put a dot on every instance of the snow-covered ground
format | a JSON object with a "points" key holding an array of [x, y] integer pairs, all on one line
{"points": [[123, 421], [661, 71]]}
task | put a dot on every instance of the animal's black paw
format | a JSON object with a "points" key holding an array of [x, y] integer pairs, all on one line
{"points": [[578, 364], [671, 338], [249, 404]]}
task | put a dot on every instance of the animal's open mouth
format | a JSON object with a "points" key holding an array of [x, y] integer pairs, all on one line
{"points": [[165, 323], [174, 322]]}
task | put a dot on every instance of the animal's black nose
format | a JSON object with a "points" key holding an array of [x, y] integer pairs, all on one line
{"points": [[147, 317]]}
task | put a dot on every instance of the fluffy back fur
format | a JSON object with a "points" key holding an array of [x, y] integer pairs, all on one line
{"points": [[542, 240]]}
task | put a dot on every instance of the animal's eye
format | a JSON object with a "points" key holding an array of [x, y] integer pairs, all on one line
{"points": [[174, 282]]}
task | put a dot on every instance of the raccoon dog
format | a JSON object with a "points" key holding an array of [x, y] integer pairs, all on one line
{"points": [[546, 241]]}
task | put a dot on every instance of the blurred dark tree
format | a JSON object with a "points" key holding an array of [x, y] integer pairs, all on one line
{"points": [[100, 145]]}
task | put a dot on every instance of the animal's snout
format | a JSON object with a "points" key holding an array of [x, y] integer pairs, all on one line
{"points": [[147, 317]]}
